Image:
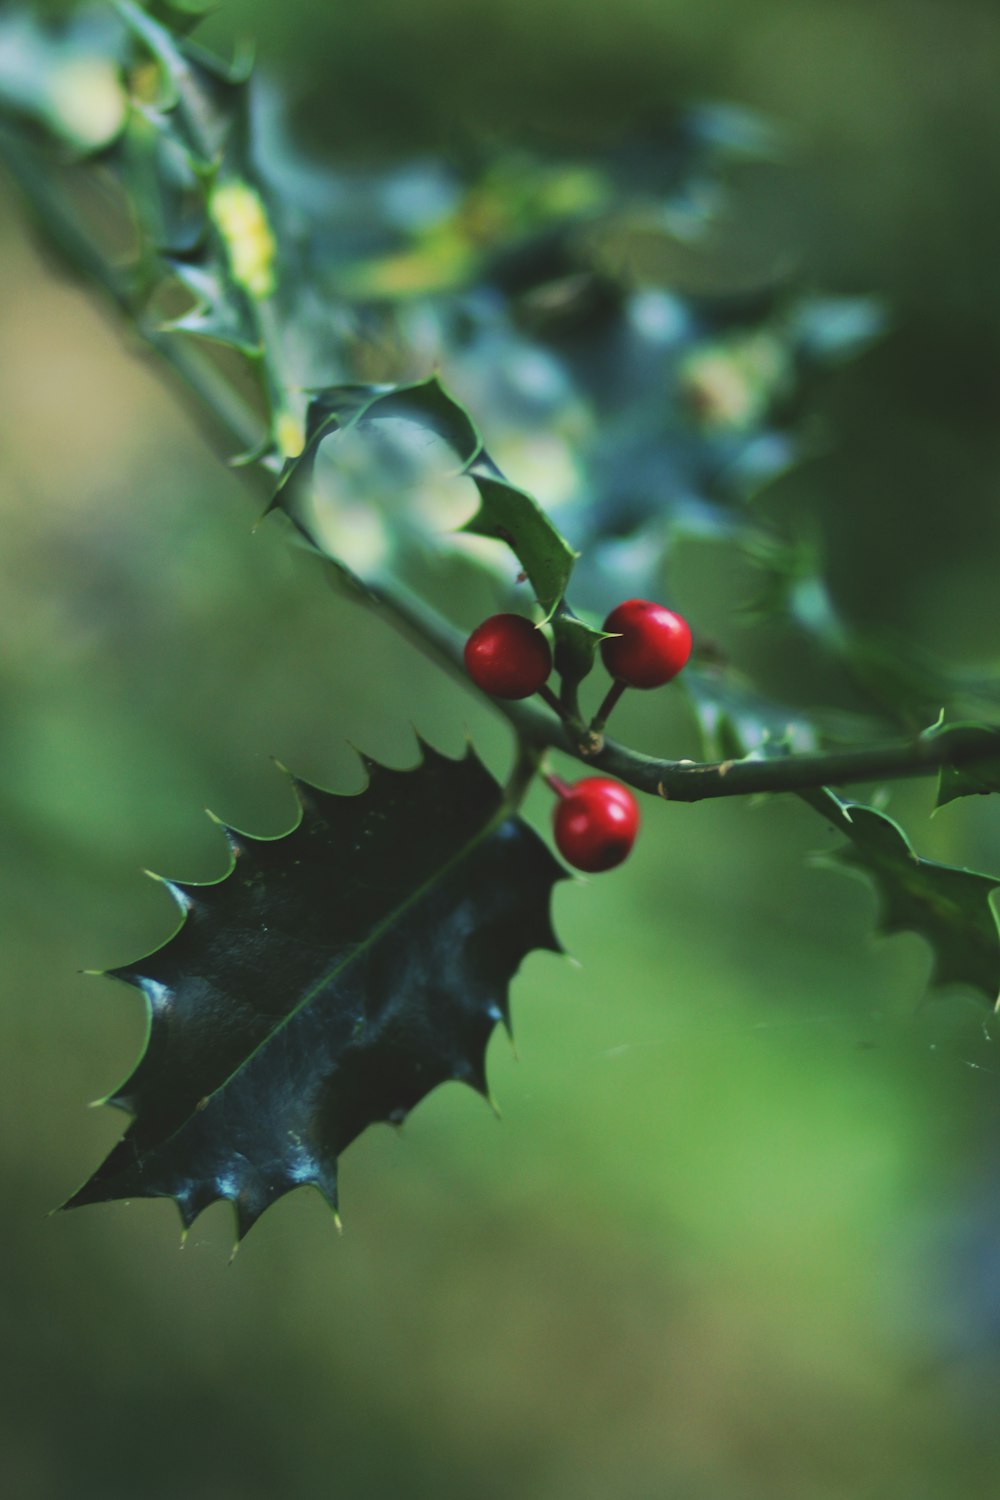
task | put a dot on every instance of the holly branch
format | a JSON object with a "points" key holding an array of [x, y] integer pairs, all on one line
{"points": [[234, 422]]}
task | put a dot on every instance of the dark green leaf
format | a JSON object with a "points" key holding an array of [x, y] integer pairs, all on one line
{"points": [[576, 645], [948, 906], [510, 515], [181, 16], [976, 779], [204, 100], [332, 979], [220, 311], [792, 588], [505, 513]]}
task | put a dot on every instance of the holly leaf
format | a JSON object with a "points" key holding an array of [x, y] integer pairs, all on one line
{"points": [[510, 515], [219, 310], [976, 779], [333, 978], [62, 80], [948, 906], [180, 16], [421, 416], [204, 101]]}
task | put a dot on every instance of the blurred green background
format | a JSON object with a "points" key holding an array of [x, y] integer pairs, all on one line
{"points": [[736, 1237]]}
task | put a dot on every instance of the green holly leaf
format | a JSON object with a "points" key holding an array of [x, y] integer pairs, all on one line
{"points": [[977, 779], [421, 416], [204, 102], [220, 311], [510, 515], [62, 82], [333, 978], [181, 16], [948, 906]]}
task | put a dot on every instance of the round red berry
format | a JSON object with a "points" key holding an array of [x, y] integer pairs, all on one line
{"points": [[507, 657], [649, 644], [595, 823]]}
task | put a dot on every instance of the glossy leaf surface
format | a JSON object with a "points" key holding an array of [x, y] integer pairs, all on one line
{"points": [[332, 979]]}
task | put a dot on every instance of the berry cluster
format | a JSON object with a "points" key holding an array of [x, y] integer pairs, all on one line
{"points": [[596, 821]]}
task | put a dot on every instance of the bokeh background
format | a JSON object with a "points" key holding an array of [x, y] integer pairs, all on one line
{"points": [[737, 1236]]}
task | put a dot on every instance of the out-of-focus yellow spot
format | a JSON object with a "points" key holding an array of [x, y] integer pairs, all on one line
{"points": [[144, 82], [441, 260], [241, 219], [86, 101], [289, 435], [443, 255], [732, 385]]}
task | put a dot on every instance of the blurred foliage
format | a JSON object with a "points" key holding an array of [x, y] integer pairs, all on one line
{"points": [[736, 1234]]}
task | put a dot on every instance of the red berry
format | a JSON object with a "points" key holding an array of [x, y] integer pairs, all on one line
{"points": [[507, 657], [595, 823], [650, 643]]}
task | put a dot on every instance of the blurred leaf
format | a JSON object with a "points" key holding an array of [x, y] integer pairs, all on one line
{"points": [[830, 329], [204, 101], [64, 78], [976, 780], [948, 906], [219, 312], [333, 978], [181, 16], [792, 588], [736, 721]]}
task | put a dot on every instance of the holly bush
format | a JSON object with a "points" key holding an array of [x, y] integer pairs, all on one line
{"points": [[519, 381]]}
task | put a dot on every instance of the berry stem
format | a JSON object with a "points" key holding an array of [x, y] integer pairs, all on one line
{"points": [[524, 770], [558, 707], [603, 714], [560, 787], [585, 741], [569, 695]]}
